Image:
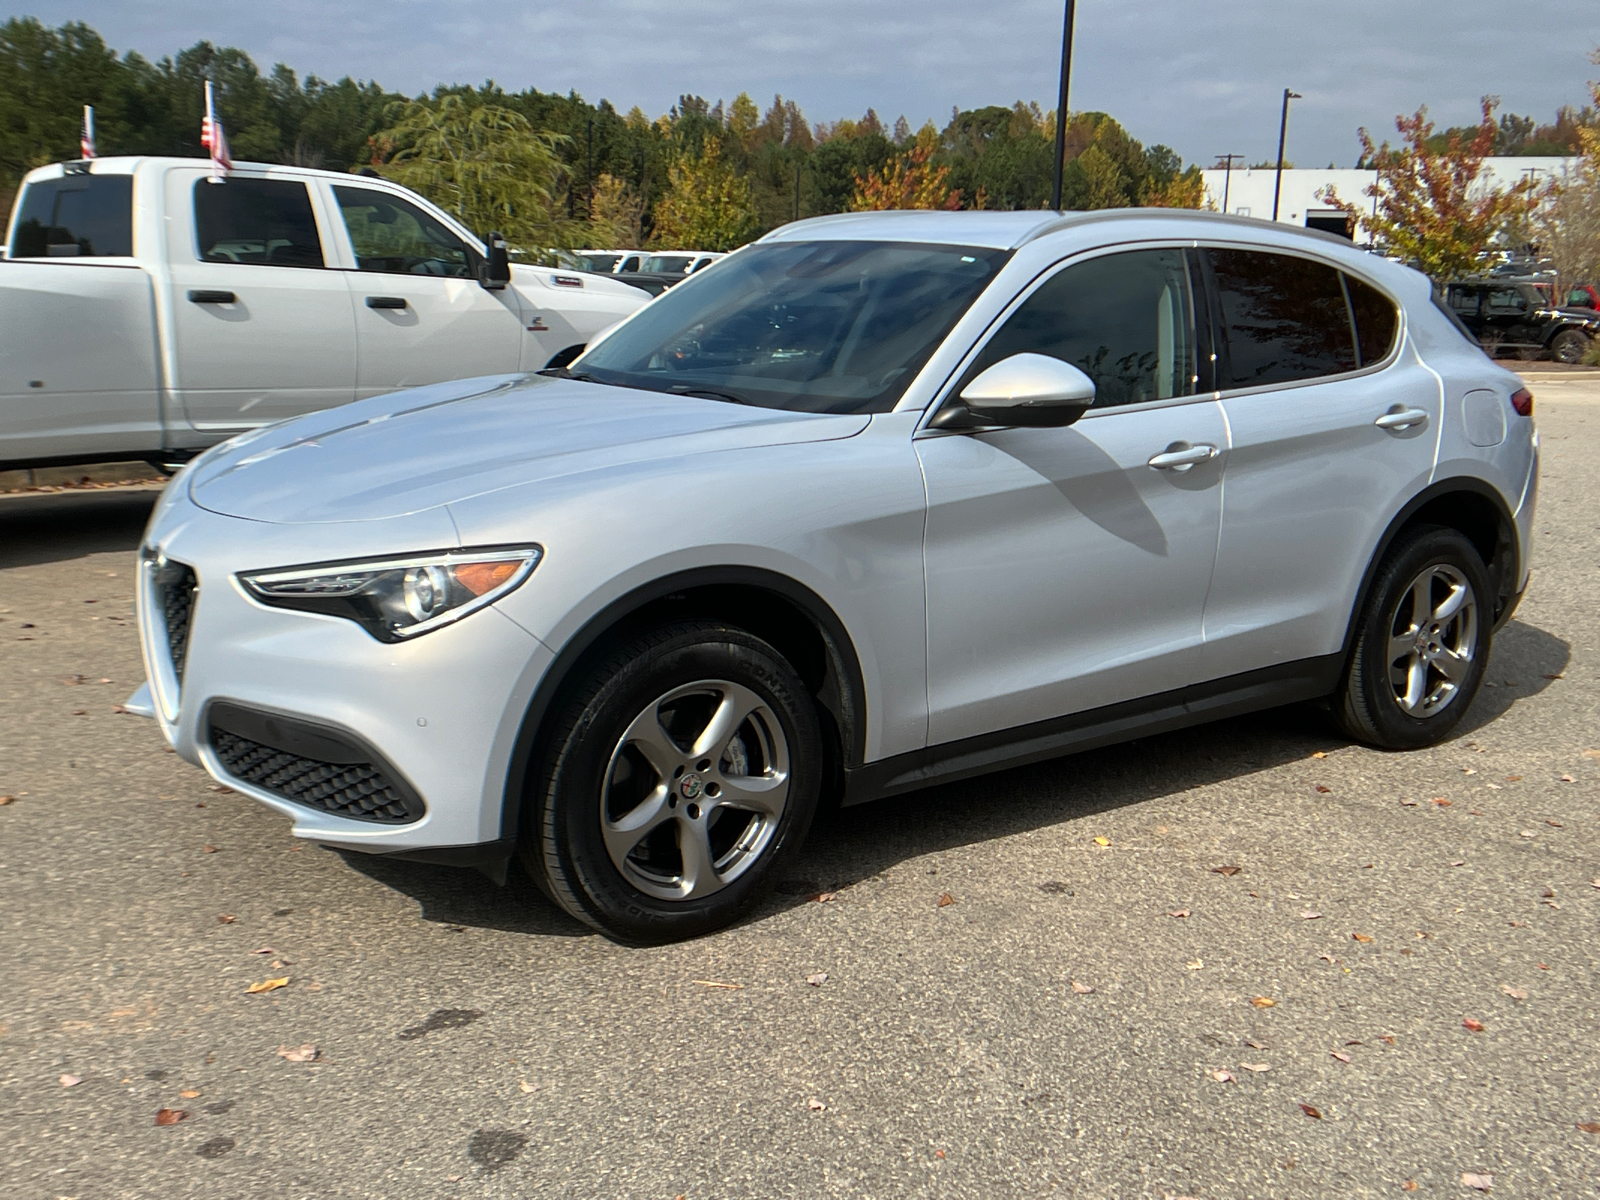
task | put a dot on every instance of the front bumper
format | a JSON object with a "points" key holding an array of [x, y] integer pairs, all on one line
{"points": [[439, 715]]}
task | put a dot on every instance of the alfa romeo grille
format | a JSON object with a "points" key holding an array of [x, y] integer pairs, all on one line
{"points": [[349, 789]]}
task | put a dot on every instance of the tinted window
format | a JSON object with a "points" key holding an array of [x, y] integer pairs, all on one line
{"points": [[1579, 298], [668, 264], [1376, 319], [1507, 300], [1283, 318], [1125, 320], [263, 221], [807, 326], [75, 215], [1463, 300], [390, 235]]}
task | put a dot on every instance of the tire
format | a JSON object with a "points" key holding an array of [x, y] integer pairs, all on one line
{"points": [[649, 837], [1410, 682], [1569, 346]]}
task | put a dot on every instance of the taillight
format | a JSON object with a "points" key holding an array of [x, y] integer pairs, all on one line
{"points": [[1522, 401]]}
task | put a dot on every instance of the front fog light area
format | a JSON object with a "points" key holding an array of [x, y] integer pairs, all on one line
{"points": [[394, 599]]}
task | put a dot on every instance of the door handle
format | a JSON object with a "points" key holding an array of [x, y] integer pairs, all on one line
{"points": [[1398, 419], [386, 301], [202, 297], [1180, 456]]}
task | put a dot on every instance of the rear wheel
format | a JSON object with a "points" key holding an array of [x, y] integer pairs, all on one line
{"points": [[1421, 645], [682, 776], [1569, 346]]}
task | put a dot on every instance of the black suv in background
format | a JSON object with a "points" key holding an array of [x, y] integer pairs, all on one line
{"points": [[1510, 317]]}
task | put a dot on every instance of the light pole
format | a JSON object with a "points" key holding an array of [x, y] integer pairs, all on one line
{"points": [[1226, 161], [1283, 133], [1067, 21]]}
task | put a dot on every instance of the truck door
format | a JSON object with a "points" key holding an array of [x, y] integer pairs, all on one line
{"points": [[262, 329], [421, 315]]}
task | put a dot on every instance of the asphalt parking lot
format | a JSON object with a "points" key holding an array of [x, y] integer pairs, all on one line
{"points": [[1035, 984]]}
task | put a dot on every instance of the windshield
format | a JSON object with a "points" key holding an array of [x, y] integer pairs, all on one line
{"points": [[668, 264], [839, 327]]}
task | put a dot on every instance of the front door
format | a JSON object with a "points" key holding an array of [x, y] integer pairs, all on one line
{"points": [[1065, 570], [262, 329], [421, 316]]}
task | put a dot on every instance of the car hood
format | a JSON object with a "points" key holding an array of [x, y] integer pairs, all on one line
{"points": [[414, 450]]}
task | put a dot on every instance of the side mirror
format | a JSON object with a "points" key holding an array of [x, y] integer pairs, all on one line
{"points": [[495, 272], [1031, 390]]}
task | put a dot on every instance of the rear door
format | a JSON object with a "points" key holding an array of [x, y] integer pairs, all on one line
{"points": [[1334, 425], [262, 329], [421, 315]]}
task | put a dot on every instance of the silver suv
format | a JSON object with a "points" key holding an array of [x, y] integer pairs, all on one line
{"points": [[880, 501]]}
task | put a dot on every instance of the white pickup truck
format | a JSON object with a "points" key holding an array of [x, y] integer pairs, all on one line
{"points": [[147, 313]]}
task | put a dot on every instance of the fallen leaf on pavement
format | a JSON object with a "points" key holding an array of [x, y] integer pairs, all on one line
{"points": [[1513, 778], [1327, 958], [1568, 779], [1590, 1127], [226, 919], [264, 950], [1471, 1023], [527, 1088], [1323, 788], [1224, 1076], [1310, 914], [1591, 753], [1229, 871], [1102, 841], [823, 897], [1194, 964], [1319, 754], [1409, 1185], [1256, 1067], [1542, 967], [817, 980], [267, 985], [1441, 802], [208, 849], [1527, 833], [171, 1116], [945, 901], [305, 1053], [712, 983], [1054, 887], [1264, 1002], [8, 799], [1359, 937], [1514, 993], [1408, 804], [815, 1105], [71, 1080], [1179, 912], [1479, 1183], [1469, 770], [1083, 989], [1314, 1113], [189, 1093], [1458, 862], [1355, 1043], [1553, 824], [1340, 1055]]}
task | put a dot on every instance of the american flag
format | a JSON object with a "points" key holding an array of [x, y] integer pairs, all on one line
{"points": [[214, 139], [86, 142]]}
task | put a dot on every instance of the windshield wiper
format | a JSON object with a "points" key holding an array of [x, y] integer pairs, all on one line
{"points": [[709, 394], [563, 373]]}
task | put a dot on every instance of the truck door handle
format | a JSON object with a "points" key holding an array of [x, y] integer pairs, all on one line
{"points": [[1180, 456], [386, 301], [202, 297], [1399, 418]]}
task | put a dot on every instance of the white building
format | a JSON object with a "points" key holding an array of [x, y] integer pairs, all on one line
{"points": [[1304, 198]]}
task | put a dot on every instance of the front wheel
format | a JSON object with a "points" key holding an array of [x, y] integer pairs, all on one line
{"points": [[1569, 346], [1421, 644], [681, 777]]}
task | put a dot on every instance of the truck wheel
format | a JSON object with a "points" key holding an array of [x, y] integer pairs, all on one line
{"points": [[1422, 642], [682, 776], [1569, 346]]}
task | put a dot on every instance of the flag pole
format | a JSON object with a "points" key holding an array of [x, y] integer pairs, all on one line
{"points": [[86, 142]]}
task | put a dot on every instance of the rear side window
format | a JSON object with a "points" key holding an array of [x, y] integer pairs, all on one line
{"points": [[75, 215], [1124, 320], [1283, 318], [1377, 320], [265, 222]]}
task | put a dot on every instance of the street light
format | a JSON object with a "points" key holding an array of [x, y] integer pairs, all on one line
{"points": [[1226, 162], [1283, 133], [1067, 22]]}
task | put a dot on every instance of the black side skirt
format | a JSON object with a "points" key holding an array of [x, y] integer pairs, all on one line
{"points": [[1287, 683]]}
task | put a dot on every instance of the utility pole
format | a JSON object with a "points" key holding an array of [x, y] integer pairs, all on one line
{"points": [[1067, 22], [589, 172], [797, 189], [1283, 133], [1225, 161]]}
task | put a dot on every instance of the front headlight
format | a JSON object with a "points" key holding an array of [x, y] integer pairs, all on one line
{"points": [[395, 599]]}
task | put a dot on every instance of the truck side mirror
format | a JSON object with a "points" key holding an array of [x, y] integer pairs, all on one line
{"points": [[495, 272]]}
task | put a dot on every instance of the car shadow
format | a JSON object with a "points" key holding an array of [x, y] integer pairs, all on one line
{"points": [[853, 844], [38, 528]]}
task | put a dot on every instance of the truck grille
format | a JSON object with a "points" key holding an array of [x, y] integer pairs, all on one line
{"points": [[177, 586], [355, 786]]}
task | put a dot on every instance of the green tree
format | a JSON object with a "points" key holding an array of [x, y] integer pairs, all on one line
{"points": [[707, 206]]}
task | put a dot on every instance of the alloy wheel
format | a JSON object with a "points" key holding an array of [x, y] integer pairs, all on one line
{"points": [[695, 790], [1433, 636]]}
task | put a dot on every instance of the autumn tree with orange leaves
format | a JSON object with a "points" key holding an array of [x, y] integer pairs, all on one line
{"points": [[906, 182]]}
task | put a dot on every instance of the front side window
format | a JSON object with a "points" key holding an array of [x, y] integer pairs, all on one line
{"points": [[668, 264], [264, 222], [1124, 320], [395, 237], [839, 327], [75, 215], [1283, 319]]}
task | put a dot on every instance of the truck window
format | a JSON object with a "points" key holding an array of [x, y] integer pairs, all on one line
{"points": [[397, 238], [75, 215], [267, 222]]}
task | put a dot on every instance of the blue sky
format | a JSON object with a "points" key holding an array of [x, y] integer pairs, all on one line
{"points": [[1203, 77]]}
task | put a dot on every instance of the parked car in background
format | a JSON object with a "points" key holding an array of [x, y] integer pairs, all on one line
{"points": [[602, 262], [657, 272], [1517, 318], [883, 500], [146, 312]]}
